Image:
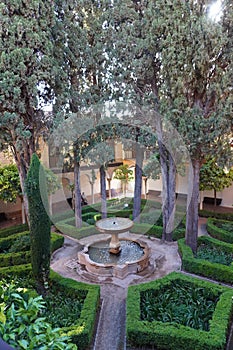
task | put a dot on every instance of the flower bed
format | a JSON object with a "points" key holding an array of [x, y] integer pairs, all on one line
{"points": [[168, 333], [204, 267]]}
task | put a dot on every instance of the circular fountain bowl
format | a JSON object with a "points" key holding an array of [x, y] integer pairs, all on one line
{"points": [[114, 225], [133, 258]]}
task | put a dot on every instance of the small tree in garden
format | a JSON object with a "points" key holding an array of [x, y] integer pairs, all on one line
{"points": [[10, 187], [214, 177], [125, 175], [39, 223]]}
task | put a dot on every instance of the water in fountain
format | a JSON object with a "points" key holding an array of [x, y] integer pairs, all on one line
{"points": [[130, 251]]}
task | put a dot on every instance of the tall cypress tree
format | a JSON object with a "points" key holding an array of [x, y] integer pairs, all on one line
{"points": [[39, 223], [27, 71]]}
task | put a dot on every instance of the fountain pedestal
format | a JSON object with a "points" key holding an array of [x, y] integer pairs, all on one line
{"points": [[114, 226], [114, 245]]}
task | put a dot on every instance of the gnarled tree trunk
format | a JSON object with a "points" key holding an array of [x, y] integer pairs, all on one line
{"points": [[192, 206], [138, 184], [77, 192], [103, 192]]}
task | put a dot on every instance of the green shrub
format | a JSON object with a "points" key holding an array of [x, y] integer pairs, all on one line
{"points": [[181, 303], [21, 244], [22, 326], [62, 216], [216, 215], [6, 232], [82, 330], [63, 308], [7, 242], [57, 241], [203, 267], [155, 231], [152, 218], [12, 259], [78, 233], [16, 270], [172, 336], [213, 254], [217, 229], [24, 257]]}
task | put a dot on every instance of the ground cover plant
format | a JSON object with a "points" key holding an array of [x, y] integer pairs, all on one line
{"points": [[21, 322], [213, 259], [214, 255], [178, 312], [63, 308], [180, 303]]}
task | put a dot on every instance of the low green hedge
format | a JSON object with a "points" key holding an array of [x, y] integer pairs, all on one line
{"points": [[216, 215], [17, 270], [8, 231], [6, 242], [155, 231], [203, 267], [78, 233], [172, 336], [12, 259], [218, 232], [91, 208], [82, 332], [62, 216], [19, 258]]}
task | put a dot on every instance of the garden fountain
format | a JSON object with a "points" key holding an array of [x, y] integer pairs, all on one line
{"points": [[111, 255], [114, 226]]}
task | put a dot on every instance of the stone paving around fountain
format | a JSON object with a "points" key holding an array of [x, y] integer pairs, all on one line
{"points": [[64, 261]]}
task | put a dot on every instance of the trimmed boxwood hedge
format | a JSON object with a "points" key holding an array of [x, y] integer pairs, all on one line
{"points": [[67, 228], [11, 259], [203, 267], [6, 242], [82, 331], [62, 216], [211, 214], [17, 270], [8, 231], [172, 336], [218, 232], [155, 231]]}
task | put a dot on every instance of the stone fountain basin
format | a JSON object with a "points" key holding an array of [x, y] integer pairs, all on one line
{"points": [[114, 225], [115, 270]]}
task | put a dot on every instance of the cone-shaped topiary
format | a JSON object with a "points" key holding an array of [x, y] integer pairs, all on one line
{"points": [[39, 223]]}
